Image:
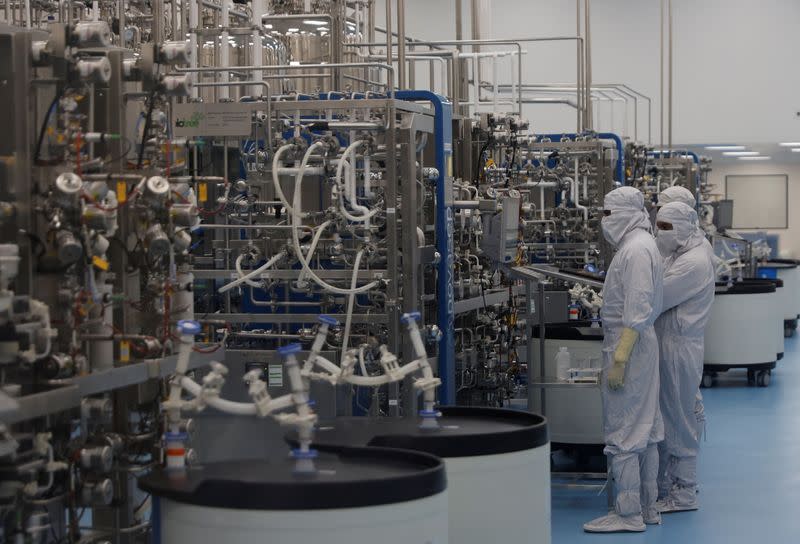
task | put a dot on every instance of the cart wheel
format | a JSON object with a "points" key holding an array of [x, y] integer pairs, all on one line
{"points": [[751, 377], [708, 381], [764, 378]]}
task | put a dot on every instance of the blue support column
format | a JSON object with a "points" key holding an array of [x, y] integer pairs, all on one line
{"points": [[443, 138]]}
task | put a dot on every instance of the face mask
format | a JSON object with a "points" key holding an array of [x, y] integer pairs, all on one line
{"points": [[667, 242], [613, 228]]}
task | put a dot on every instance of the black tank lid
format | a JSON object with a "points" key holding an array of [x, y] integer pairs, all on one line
{"points": [[777, 282], [778, 265], [464, 432], [346, 478], [790, 262], [571, 330], [746, 288]]}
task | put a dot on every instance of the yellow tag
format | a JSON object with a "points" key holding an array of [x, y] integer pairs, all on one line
{"points": [[125, 351], [489, 163], [449, 166], [102, 264], [202, 192], [122, 192]]}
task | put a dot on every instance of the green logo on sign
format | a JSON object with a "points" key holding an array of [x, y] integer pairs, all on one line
{"points": [[191, 122]]}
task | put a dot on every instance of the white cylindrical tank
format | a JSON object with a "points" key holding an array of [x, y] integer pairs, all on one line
{"points": [[357, 496], [741, 329], [498, 467], [789, 271]]}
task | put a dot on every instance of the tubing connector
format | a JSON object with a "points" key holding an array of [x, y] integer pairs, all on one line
{"points": [[175, 450], [429, 419], [427, 384], [391, 367], [212, 384], [304, 461], [188, 327], [258, 392]]}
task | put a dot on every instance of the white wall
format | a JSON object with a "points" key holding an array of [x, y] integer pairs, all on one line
{"points": [[735, 76], [789, 238]]}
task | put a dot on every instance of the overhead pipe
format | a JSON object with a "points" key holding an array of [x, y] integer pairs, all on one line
{"points": [[514, 41]]}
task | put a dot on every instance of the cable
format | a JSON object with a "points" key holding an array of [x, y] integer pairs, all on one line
{"points": [[147, 122], [43, 129]]}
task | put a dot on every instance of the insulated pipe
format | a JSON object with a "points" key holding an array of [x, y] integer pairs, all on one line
{"points": [[258, 7], [224, 52], [389, 60], [661, 77], [401, 37], [669, 8], [588, 68]]}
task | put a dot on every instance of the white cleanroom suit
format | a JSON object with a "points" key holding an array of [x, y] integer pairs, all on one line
{"points": [[676, 193], [631, 419], [688, 297]]}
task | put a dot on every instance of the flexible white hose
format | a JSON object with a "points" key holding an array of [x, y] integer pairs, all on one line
{"points": [[275, 181], [354, 218], [227, 406], [361, 362], [296, 217], [241, 273], [247, 277], [350, 302], [313, 247], [350, 188]]}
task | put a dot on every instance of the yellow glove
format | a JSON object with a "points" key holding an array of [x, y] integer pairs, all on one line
{"points": [[616, 374]]}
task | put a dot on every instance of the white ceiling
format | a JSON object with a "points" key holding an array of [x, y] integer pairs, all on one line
{"points": [[778, 154]]}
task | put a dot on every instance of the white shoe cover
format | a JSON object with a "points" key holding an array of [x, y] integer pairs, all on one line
{"points": [[652, 517], [614, 523], [670, 504]]}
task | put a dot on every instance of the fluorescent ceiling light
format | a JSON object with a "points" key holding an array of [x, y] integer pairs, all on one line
{"points": [[762, 158], [741, 153], [265, 26], [314, 22], [292, 30], [790, 144], [796, 150], [726, 147]]}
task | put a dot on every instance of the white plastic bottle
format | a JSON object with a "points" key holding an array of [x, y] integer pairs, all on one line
{"points": [[563, 364]]}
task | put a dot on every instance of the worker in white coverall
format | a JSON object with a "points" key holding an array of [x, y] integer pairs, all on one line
{"points": [[688, 296], [632, 423]]}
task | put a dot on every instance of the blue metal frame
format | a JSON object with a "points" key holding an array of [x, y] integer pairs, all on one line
{"points": [[602, 136], [155, 519], [443, 138]]}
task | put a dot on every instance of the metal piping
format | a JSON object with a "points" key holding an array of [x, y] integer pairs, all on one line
{"points": [[389, 70]]}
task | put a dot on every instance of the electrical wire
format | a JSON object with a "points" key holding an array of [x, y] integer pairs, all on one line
{"points": [[43, 129]]}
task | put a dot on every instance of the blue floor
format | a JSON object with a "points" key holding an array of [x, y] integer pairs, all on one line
{"points": [[749, 470]]}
